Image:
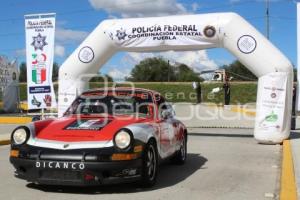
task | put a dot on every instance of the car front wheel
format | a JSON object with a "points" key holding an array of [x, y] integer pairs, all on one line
{"points": [[150, 165]]}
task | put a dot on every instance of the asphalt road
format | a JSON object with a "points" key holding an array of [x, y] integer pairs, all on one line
{"points": [[7, 128], [222, 164]]}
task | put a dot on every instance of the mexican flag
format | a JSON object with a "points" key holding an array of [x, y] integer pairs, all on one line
{"points": [[39, 75]]}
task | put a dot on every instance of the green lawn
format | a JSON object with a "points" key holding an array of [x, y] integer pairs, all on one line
{"points": [[241, 93]]}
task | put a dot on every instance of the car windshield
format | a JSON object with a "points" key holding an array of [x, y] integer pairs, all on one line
{"points": [[113, 103]]}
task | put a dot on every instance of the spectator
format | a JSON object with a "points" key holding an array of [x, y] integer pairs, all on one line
{"points": [[226, 88], [197, 87], [293, 120], [199, 92]]}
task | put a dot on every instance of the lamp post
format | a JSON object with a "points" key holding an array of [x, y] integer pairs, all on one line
{"points": [[268, 18], [168, 70]]}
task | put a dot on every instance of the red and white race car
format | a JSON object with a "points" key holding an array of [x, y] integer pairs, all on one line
{"points": [[106, 136]]}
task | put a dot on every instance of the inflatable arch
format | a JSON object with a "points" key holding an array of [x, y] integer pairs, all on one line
{"points": [[191, 32]]}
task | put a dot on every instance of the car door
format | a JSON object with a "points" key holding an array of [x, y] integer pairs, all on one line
{"points": [[177, 128], [167, 127]]}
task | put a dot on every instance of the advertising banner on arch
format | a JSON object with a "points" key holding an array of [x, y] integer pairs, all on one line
{"points": [[271, 100], [40, 29], [171, 31]]}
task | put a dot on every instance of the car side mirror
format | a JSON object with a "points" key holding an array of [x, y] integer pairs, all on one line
{"points": [[36, 118], [166, 114]]}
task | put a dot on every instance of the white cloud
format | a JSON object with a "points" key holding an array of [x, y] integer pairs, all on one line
{"points": [[59, 50], [139, 8], [119, 75], [60, 23], [195, 6], [20, 52], [197, 60], [68, 35]]}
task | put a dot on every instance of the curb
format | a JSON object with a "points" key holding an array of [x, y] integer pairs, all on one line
{"points": [[243, 110], [15, 120], [213, 105], [288, 189]]}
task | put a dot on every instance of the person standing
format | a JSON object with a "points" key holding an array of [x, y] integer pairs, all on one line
{"points": [[226, 88], [293, 120], [199, 92], [197, 87]]}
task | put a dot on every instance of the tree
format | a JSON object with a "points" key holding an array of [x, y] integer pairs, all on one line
{"points": [[152, 69], [55, 72], [100, 78], [157, 69], [23, 72], [185, 74], [295, 74], [239, 72]]}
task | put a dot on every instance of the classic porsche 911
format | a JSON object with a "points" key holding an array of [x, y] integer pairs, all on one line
{"points": [[106, 136]]}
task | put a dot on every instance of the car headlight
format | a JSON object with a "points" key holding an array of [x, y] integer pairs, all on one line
{"points": [[19, 136], [123, 139]]}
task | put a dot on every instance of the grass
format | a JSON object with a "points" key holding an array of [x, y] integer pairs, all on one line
{"points": [[241, 92]]}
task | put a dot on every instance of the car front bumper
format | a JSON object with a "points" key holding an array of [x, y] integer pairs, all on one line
{"points": [[78, 173]]}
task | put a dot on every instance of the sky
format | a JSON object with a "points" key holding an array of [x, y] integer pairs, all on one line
{"points": [[75, 19]]}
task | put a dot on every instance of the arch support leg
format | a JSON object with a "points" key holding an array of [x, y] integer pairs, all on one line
{"points": [[273, 107]]}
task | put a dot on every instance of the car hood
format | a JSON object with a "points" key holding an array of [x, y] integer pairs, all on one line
{"points": [[77, 129]]}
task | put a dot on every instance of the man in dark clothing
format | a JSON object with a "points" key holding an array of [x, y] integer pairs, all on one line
{"points": [[226, 88], [198, 91], [293, 121]]}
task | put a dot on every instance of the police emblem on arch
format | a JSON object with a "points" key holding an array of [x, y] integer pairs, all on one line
{"points": [[209, 31], [121, 34]]}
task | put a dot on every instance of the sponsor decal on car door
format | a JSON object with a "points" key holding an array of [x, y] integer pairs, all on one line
{"points": [[167, 137]]}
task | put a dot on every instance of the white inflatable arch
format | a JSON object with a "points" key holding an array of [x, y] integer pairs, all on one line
{"points": [[191, 32]]}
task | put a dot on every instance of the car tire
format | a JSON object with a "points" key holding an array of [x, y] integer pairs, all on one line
{"points": [[181, 155], [150, 165]]}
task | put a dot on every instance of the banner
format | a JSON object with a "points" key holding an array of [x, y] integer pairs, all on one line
{"points": [[270, 107], [298, 56], [40, 29], [159, 32]]}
